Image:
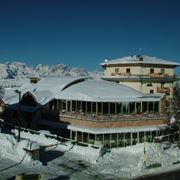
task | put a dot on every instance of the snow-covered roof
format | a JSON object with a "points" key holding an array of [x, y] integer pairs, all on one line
{"points": [[81, 89], [103, 91], [115, 130], [10, 96], [139, 59], [54, 84], [99, 91]]}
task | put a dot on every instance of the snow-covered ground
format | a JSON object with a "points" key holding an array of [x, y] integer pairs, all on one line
{"points": [[66, 160]]}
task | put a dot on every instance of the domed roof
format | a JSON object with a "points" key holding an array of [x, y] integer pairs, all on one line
{"points": [[99, 90]]}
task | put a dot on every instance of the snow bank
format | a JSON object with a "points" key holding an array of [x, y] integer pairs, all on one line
{"points": [[13, 150], [124, 162]]}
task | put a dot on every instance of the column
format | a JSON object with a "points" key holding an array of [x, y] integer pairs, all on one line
{"points": [[138, 137], [110, 138], [109, 108], [102, 108], [124, 140], [117, 140], [141, 107], [88, 138], [115, 108], [76, 136], [86, 108], [131, 138], [71, 106], [96, 108], [91, 107], [66, 106]]}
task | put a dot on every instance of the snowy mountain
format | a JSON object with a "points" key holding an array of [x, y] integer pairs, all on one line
{"points": [[19, 70]]}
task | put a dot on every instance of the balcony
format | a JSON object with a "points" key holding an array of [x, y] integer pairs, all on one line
{"points": [[155, 77], [164, 90]]}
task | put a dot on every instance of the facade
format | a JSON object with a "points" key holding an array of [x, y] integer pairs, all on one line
{"points": [[143, 73], [95, 112]]}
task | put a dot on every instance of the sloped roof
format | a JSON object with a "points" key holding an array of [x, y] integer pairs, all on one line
{"points": [[140, 59], [10, 96]]}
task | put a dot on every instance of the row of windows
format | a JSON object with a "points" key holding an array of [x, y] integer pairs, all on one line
{"points": [[128, 70]]}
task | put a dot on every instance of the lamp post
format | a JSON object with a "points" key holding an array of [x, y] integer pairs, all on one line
{"points": [[19, 110]]}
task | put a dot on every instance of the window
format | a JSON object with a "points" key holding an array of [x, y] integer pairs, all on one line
{"points": [[151, 71], [162, 71], [116, 70], [151, 91], [128, 70], [149, 84]]}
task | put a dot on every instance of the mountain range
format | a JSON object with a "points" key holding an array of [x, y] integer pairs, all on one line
{"points": [[19, 70]]}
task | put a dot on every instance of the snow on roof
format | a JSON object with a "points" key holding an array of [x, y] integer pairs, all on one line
{"points": [[140, 59], [102, 91], [10, 96], [115, 130], [81, 89], [54, 84]]}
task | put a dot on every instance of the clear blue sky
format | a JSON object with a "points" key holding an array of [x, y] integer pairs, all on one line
{"points": [[83, 33]]}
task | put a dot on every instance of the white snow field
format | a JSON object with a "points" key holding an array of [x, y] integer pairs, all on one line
{"points": [[66, 160]]}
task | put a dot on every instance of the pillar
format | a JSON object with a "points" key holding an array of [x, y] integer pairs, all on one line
{"points": [[110, 138], [115, 108], [117, 140], [96, 108], [138, 137], [91, 107], [124, 140], [86, 108], [131, 138], [70, 134], [71, 106], [108, 107], [76, 136], [102, 108], [66, 106]]}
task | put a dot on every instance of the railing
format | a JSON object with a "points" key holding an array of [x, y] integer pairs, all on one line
{"points": [[113, 117], [139, 76]]}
